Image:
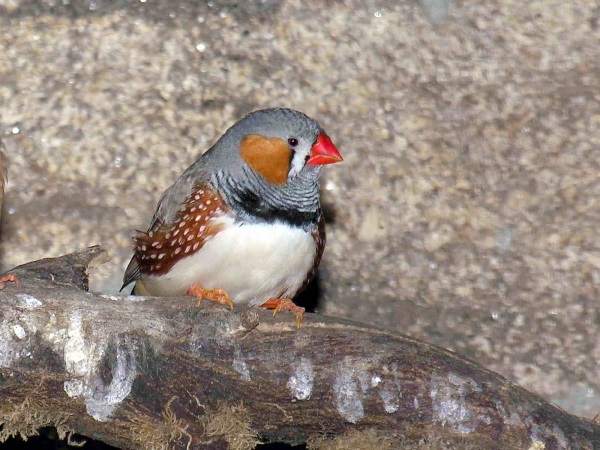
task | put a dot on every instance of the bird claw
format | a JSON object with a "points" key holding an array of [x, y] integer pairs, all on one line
{"points": [[214, 295], [6, 278], [284, 304]]}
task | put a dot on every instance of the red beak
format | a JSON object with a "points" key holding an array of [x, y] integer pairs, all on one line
{"points": [[323, 152]]}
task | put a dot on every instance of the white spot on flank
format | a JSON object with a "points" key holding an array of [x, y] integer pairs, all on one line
{"points": [[161, 256], [190, 237], [346, 395], [302, 380], [195, 247], [176, 233], [240, 366], [198, 218], [208, 202], [168, 236], [196, 197], [193, 209], [177, 250], [187, 249], [28, 301], [144, 248], [186, 231], [181, 224]]}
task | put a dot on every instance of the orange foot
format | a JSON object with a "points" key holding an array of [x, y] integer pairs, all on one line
{"points": [[284, 304], [9, 277], [214, 295]]}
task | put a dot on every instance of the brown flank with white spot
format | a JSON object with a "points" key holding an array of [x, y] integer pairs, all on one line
{"points": [[158, 250]]}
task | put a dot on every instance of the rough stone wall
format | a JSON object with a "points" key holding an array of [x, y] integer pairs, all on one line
{"points": [[466, 212]]}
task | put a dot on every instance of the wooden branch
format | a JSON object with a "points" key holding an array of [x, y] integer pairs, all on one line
{"points": [[160, 373]]}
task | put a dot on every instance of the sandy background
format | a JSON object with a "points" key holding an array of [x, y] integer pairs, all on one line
{"points": [[466, 212]]}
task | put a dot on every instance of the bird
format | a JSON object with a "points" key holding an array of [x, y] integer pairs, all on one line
{"points": [[243, 224]]}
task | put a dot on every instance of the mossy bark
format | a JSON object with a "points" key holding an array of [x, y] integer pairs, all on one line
{"points": [[143, 372]]}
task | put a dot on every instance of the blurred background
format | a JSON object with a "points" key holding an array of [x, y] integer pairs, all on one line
{"points": [[466, 212]]}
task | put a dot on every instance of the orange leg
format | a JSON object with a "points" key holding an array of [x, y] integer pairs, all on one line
{"points": [[214, 295], [6, 278], [284, 304]]}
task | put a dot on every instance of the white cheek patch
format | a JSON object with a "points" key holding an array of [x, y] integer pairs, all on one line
{"points": [[298, 162]]}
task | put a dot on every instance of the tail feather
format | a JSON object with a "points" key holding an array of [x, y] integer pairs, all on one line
{"points": [[132, 273]]}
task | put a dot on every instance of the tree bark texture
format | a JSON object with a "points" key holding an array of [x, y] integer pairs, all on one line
{"points": [[161, 373]]}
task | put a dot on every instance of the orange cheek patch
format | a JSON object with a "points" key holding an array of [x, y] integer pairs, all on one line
{"points": [[270, 157]]}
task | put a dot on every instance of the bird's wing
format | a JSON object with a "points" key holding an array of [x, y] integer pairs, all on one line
{"points": [[172, 200], [166, 212]]}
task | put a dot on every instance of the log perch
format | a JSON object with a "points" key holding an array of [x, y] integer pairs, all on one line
{"points": [[160, 373]]}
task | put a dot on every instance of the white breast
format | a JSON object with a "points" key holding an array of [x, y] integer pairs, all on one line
{"points": [[252, 263]]}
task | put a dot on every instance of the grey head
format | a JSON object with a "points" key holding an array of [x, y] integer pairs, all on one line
{"points": [[270, 178], [299, 131]]}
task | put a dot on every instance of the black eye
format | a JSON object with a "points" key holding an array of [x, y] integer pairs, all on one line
{"points": [[293, 142]]}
